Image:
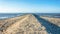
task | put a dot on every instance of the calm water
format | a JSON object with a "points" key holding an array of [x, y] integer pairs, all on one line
{"points": [[9, 15]]}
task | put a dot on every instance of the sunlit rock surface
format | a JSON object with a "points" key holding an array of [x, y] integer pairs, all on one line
{"points": [[26, 24]]}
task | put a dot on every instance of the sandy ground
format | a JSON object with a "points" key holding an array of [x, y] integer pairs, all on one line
{"points": [[26, 24]]}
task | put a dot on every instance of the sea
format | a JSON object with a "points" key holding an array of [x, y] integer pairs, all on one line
{"points": [[9, 15]]}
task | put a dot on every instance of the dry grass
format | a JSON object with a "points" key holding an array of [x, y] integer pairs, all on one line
{"points": [[26, 24], [55, 21], [7, 22]]}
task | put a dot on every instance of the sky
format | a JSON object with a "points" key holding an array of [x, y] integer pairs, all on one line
{"points": [[29, 6]]}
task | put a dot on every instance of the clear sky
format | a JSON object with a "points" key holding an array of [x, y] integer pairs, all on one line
{"points": [[29, 6]]}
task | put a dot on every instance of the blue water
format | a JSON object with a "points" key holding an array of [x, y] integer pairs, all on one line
{"points": [[55, 15], [9, 15]]}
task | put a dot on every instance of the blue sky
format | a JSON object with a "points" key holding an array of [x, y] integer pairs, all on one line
{"points": [[29, 6]]}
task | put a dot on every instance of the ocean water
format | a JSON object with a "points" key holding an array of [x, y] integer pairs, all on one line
{"points": [[9, 15], [54, 15]]}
